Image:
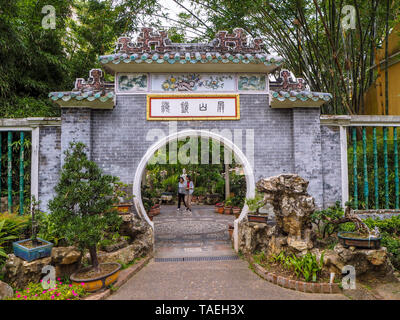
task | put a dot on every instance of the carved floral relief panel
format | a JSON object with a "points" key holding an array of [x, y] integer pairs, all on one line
{"points": [[193, 82]]}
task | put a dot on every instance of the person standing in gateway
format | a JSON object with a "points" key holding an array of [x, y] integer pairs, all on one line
{"points": [[189, 193], [181, 192]]}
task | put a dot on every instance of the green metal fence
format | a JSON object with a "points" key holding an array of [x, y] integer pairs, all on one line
{"points": [[14, 158], [373, 167]]}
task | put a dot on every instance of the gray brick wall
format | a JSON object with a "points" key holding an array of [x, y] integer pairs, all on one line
{"points": [[49, 163], [76, 126], [119, 135], [332, 173], [307, 149], [285, 141]]}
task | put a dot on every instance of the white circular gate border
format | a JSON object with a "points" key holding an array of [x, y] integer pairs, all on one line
{"points": [[248, 171]]}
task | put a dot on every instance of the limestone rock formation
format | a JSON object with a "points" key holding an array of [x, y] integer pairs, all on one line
{"points": [[5, 291], [67, 260], [293, 207], [20, 272], [373, 263]]}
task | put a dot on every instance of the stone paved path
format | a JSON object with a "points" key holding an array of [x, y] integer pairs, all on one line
{"points": [[201, 234]]}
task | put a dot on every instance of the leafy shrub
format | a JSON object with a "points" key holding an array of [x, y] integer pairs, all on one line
{"points": [[307, 266], [48, 230], [62, 291], [12, 227], [255, 204], [82, 209]]}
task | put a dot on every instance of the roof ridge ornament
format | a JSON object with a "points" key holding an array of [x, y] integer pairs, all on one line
{"points": [[236, 42], [285, 82], [95, 82], [150, 41]]}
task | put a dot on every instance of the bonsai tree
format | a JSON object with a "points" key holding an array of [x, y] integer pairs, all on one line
{"points": [[82, 208], [34, 210], [255, 204]]}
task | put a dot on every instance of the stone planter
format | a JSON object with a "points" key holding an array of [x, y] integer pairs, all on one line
{"points": [[30, 254], [349, 239], [257, 218], [124, 208], [98, 283]]}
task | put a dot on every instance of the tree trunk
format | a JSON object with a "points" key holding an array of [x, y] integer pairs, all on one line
{"points": [[93, 258], [227, 185]]}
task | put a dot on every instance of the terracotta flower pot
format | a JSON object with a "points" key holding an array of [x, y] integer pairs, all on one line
{"points": [[236, 211], [227, 210], [230, 230], [218, 206]]}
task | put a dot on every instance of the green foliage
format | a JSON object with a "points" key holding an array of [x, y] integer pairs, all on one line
{"points": [[48, 230], [259, 258], [12, 226], [324, 226], [255, 204], [4, 237], [111, 238], [82, 210], [36, 61], [310, 37], [307, 266], [207, 178], [62, 291]]}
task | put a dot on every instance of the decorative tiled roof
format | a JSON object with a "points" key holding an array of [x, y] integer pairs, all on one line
{"points": [[93, 89], [155, 47], [286, 90], [300, 95]]}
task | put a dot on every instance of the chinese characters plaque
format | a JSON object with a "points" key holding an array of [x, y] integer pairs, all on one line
{"points": [[193, 107]]}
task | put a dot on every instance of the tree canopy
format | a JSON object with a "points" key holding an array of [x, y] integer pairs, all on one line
{"points": [[307, 33]]}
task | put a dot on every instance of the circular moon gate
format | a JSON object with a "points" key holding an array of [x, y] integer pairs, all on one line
{"points": [[247, 168]]}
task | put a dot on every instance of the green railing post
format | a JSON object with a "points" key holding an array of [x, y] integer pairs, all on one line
{"points": [[21, 174], [366, 191], [385, 158], [354, 137], [376, 178], [396, 167], [1, 137], [9, 171]]}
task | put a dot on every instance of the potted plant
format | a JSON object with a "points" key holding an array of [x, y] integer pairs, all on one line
{"points": [[228, 206], [230, 230], [124, 203], [83, 214], [219, 207], [255, 204], [363, 237], [155, 210], [33, 248], [237, 203]]}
